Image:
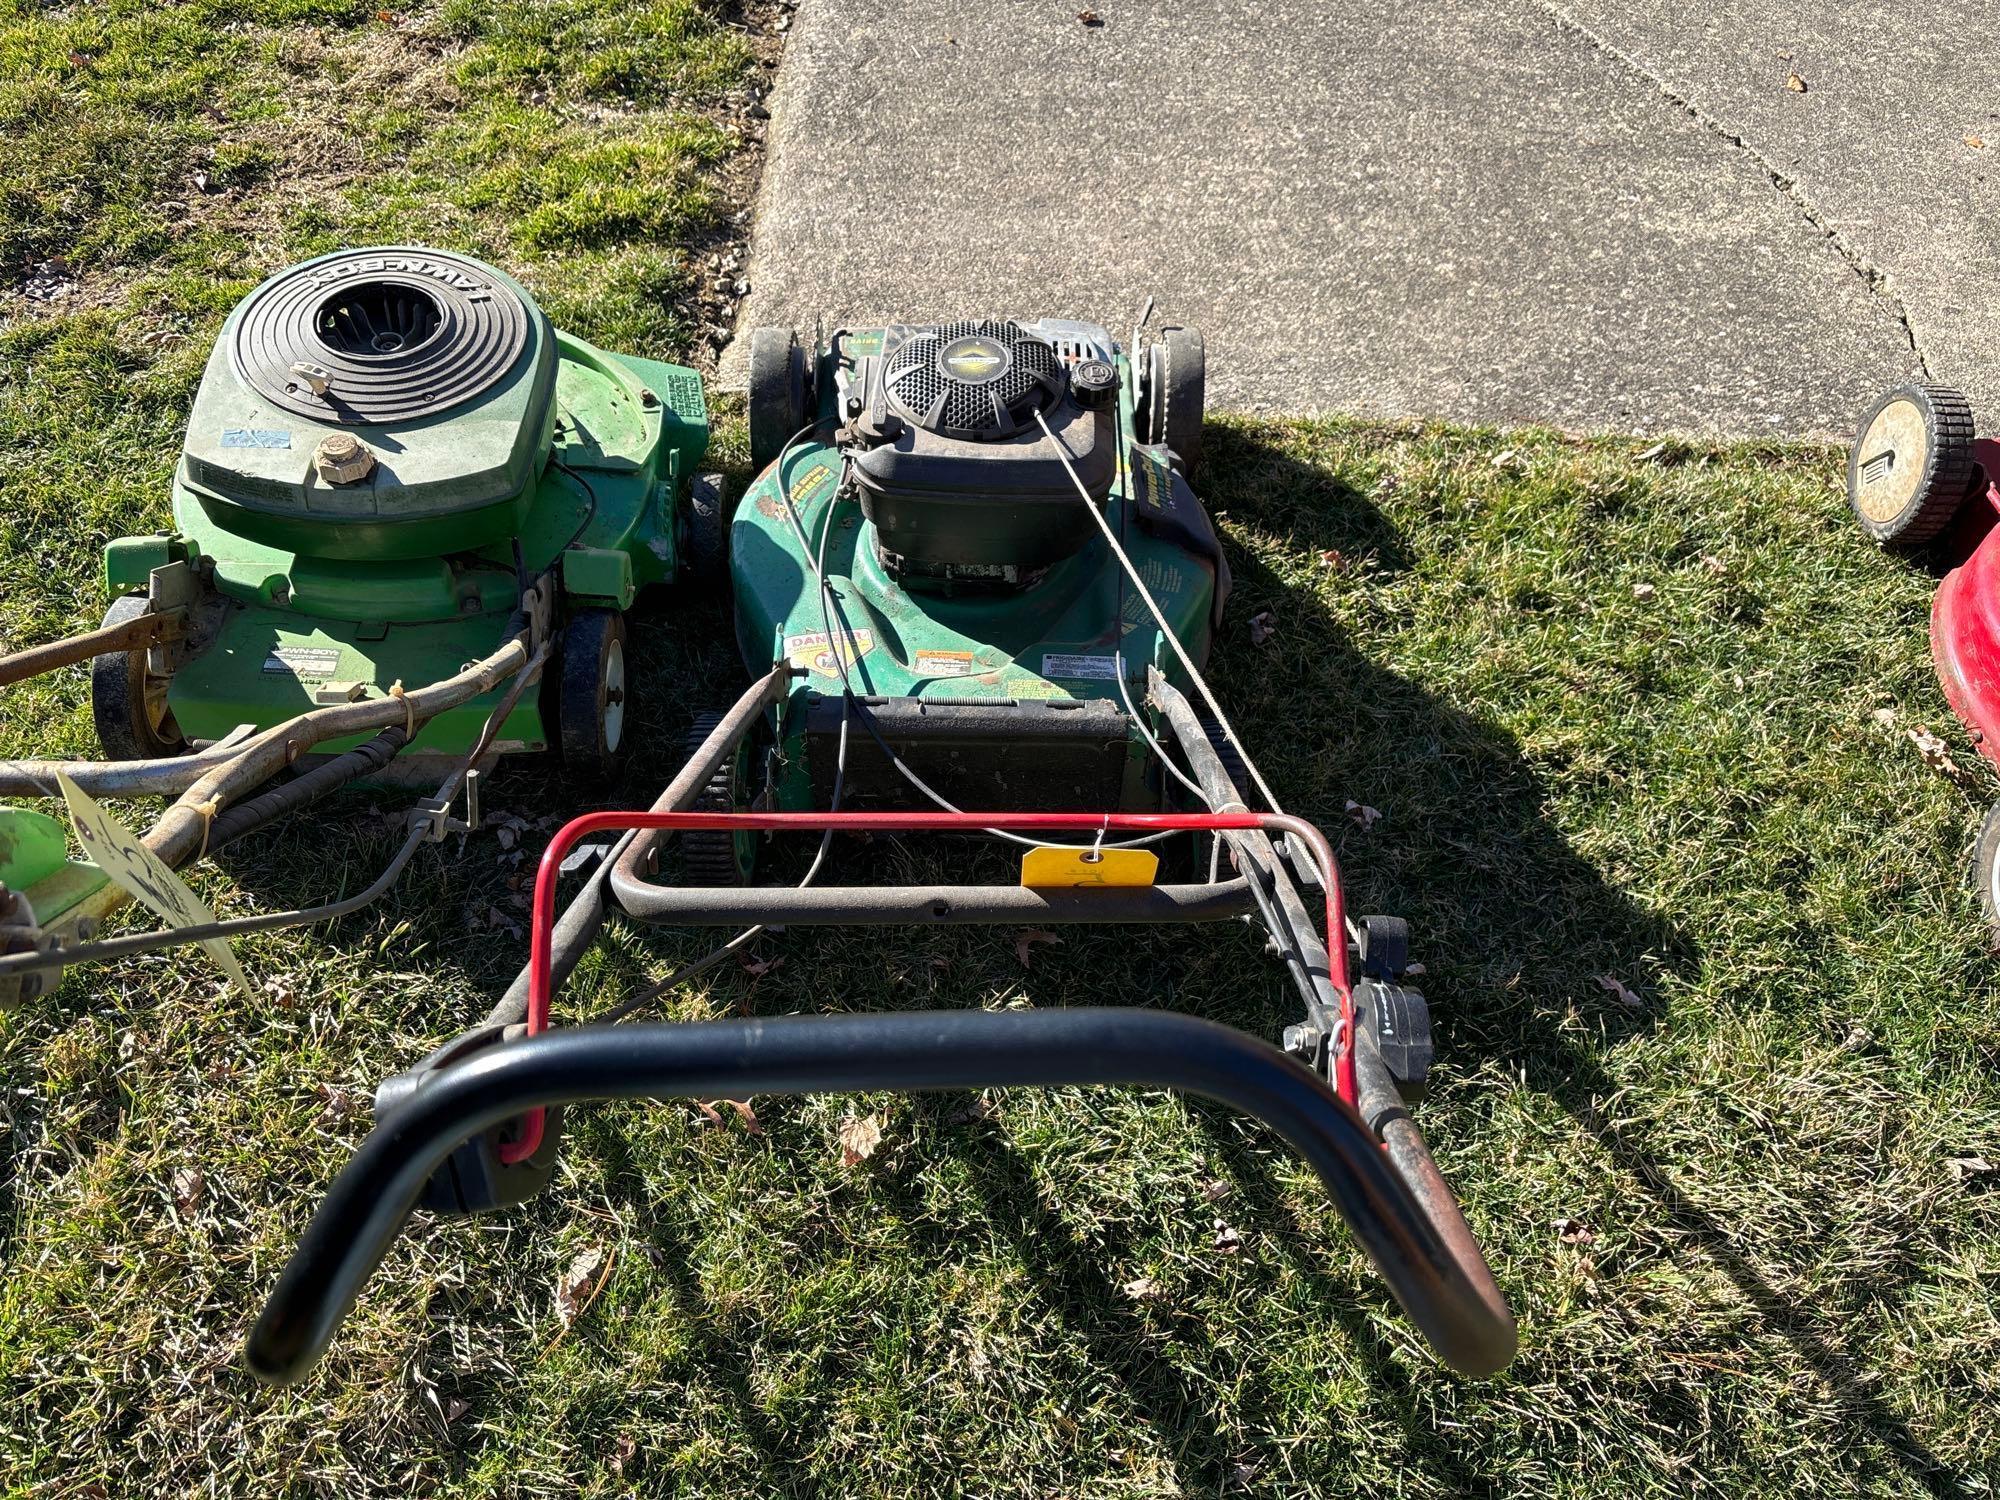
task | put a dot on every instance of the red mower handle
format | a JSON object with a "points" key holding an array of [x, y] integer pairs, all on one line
{"points": [[1448, 1293]]}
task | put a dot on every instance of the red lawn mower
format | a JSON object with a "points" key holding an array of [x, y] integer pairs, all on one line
{"points": [[1922, 482]]}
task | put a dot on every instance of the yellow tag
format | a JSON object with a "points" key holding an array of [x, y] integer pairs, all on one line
{"points": [[1047, 866], [143, 875]]}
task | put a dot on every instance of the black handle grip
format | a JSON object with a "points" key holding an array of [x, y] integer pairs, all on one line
{"points": [[1456, 1306]]}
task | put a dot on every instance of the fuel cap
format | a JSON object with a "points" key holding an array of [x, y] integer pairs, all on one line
{"points": [[1094, 383]]}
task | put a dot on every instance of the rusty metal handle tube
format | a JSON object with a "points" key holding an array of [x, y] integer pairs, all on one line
{"points": [[368, 1203], [927, 905], [146, 630]]}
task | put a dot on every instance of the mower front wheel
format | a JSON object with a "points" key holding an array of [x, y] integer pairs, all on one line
{"points": [[128, 702], [590, 695], [780, 396], [1911, 469], [1173, 389], [706, 553]]}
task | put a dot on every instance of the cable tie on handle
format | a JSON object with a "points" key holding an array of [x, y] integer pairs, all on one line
{"points": [[1096, 853], [409, 710], [206, 811]]}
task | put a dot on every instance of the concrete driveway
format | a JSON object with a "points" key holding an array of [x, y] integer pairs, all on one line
{"points": [[1735, 217]]}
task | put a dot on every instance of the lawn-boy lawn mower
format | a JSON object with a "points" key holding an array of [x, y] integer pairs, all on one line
{"points": [[403, 495], [1923, 482], [971, 573]]}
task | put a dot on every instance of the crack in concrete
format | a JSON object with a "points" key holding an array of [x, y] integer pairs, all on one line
{"points": [[1877, 279]]}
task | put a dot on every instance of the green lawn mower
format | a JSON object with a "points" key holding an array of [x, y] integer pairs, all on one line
{"points": [[976, 592], [408, 519]]}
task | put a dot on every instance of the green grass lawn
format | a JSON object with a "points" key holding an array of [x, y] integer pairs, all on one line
{"points": [[1625, 718]]}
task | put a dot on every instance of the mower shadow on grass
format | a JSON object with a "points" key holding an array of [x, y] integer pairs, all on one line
{"points": [[1512, 921]]}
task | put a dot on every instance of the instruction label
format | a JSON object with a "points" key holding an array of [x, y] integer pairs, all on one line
{"points": [[812, 652], [943, 664], [1069, 868], [1095, 668], [304, 661], [143, 875], [810, 483]]}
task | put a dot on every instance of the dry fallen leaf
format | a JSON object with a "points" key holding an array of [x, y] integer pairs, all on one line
{"points": [[1090, 18], [1859, 1039], [1025, 940], [1573, 1232], [1329, 558], [1713, 564], [1626, 997], [1262, 627], [623, 1451], [1938, 757], [1227, 1240], [1977, 143], [859, 1136], [1414, 971], [1215, 1190], [579, 1285], [1511, 461], [1652, 454], [1144, 1289], [757, 968], [1963, 1167], [278, 990], [1796, 84], [1362, 814], [455, 1408], [189, 1188], [1886, 717], [1642, 591]]}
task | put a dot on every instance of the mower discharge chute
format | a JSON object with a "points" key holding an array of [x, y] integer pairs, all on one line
{"points": [[404, 500], [970, 574]]}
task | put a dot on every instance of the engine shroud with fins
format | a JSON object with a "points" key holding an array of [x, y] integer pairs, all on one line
{"points": [[953, 469]]}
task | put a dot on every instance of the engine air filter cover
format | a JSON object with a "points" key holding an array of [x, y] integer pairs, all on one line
{"points": [[976, 379], [379, 336]]}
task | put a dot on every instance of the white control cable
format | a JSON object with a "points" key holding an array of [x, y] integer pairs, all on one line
{"points": [[1173, 640]]}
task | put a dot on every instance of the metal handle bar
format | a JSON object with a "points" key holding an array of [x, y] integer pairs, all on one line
{"points": [[1467, 1323]]}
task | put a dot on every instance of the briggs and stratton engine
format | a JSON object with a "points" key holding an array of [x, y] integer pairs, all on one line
{"points": [[954, 471]]}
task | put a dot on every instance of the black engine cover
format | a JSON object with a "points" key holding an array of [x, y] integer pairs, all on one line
{"points": [[953, 468]]}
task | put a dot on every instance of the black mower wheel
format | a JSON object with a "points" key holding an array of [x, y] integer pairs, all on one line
{"points": [[128, 702], [591, 695], [712, 857], [1986, 869], [780, 393], [1910, 469], [706, 554], [1172, 391]]}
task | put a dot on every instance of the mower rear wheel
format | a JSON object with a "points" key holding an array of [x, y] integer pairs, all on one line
{"points": [[129, 702], [706, 554], [591, 695], [1910, 469], [1172, 392], [780, 397], [709, 856], [1986, 869]]}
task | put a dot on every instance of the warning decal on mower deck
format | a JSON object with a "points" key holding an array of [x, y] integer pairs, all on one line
{"points": [[1096, 668], [304, 661], [942, 664], [811, 651]]}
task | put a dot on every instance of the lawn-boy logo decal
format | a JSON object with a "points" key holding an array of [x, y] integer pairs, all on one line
{"points": [[408, 265]]}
